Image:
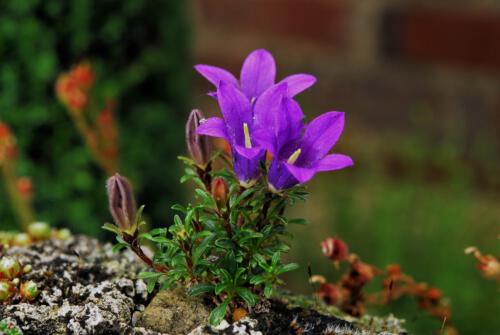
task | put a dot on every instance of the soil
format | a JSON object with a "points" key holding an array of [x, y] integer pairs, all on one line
{"points": [[87, 289]]}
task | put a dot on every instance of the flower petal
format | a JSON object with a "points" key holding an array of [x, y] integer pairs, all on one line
{"points": [[298, 83], [216, 75], [236, 110], [257, 73], [320, 136], [246, 169], [334, 162], [249, 153], [214, 127], [302, 174], [278, 119], [279, 176]]}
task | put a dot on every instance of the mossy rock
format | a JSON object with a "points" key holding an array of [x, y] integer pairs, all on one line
{"points": [[173, 312]]}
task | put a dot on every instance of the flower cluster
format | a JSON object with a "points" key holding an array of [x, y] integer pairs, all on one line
{"points": [[262, 116], [227, 246], [97, 126], [349, 292], [73, 88]]}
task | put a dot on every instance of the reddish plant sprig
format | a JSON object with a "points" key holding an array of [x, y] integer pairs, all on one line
{"points": [[19, 189], [348, 293], [74, 90]]}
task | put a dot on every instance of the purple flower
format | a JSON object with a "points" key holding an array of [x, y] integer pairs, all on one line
{"points": [[299, 151], [236, 127], [258, 73]]}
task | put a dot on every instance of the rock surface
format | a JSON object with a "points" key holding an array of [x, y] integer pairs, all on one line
{"points": [[87, 289]]}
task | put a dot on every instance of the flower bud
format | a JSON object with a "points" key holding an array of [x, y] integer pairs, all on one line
{"points": [[7, 290], [62, 234], [21, 240], [29, 290], [335, 249], [198, 146], [39, 230], [9, 268], [219, 189], [122, 202]]}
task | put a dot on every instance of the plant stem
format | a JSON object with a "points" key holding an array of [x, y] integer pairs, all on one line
{"points": [[21, 206], [91, 142]]}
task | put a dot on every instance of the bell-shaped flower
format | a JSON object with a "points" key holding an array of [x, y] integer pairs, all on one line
{"points": [[258, 74], [299, 151], [236, 127]]}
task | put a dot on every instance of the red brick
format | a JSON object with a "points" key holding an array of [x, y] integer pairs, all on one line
{"points": [[320, 21], [456, 36]]}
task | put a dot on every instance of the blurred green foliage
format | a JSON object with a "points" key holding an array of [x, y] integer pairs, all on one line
{"points": [[140, 52]]}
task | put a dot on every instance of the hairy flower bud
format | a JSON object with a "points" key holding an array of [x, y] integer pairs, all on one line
{"points": [[9, 268], [29, 290], [121, 202], [21, 240], [39, 230], [7, 290], [335, 249], [219, 189], [198, 146]]}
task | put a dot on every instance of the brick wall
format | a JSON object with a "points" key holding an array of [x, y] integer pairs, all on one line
{"points": [[386, 63]]}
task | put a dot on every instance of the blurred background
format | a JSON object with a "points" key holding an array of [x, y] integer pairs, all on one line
{"points": [[419, 82]]}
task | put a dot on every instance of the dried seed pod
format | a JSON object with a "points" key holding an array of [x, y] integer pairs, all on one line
{"points": [[199, 146], [9, 268], [29, 290], [122, 203], [335, 249]]}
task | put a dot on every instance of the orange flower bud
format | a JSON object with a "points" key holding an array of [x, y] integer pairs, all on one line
{"points": [[219, 189], [83, 75]]}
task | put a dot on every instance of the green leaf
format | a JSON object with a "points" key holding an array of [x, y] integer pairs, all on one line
{"points": [[288, 268], [247, 295], [112, 228], [224, 243], [205, 196], [217, 315], [220, 287], [148, 275], [268, 291], [118, 247], [298, 221], [179, 208], [256, 280], [200, 249], [200, 289], [242, 196]]}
